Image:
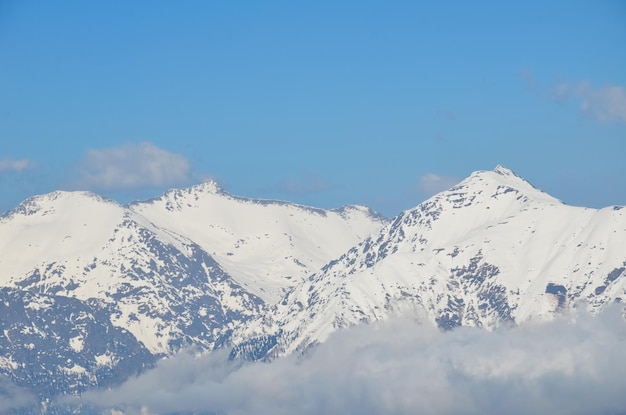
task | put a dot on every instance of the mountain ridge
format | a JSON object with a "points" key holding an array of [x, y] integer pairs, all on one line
{"points": [[490, 250], [200, 268], [83, 246], [236, 232]]}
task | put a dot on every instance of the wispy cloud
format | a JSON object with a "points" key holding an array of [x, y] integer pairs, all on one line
{"points": [[133, 166], [567, 366], [432, 183], [605, 104], [10, 165]]}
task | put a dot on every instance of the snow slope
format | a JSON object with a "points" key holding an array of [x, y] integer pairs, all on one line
{"points": [[266, 246], [491, 250], [161, 287], [58, 345], [185, 269], [93, 291]]}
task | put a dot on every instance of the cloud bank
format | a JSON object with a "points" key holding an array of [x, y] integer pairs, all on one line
{"points": [[573, 365], [133, 166], [10, 165]]}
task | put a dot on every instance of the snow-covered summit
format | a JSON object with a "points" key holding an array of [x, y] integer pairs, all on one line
{"points": [[483, 198], [499, 189], [200, 267], [57, 200], [491, 249], [183, 269], [208, 187], [503, 180], [265, 245]]}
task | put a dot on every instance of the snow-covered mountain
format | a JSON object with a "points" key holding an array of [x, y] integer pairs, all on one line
{"points": [[55, 345], [266, 246], [174, 271], [491, 250], [161, 287], [181, 271], [92, 291]]}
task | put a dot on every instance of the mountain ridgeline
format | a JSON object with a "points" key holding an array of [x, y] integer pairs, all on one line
{"points": [[93, 292], [491, 250]]}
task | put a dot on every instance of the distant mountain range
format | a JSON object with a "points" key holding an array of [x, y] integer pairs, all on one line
{"points": [[96, 291], [491, 250], [92, 292]]}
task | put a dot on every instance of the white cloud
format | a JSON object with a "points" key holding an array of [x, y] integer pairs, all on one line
{"points": [[431, 183], [605, 104], [133, 166], [571, 365], [8, 164]]}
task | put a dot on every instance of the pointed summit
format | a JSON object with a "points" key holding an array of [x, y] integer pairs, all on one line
{"points": [[491, 250], [490, 184], [176, 199], [208, 186], [267, 246], [500, 169]]}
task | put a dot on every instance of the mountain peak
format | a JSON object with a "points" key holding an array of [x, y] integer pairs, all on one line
{"points": [[208, 186], [503, 180], [61, 199], [500, 169], [500, 174]]}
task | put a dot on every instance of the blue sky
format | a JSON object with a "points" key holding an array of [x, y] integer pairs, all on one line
{"points": [[320, 103]]}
